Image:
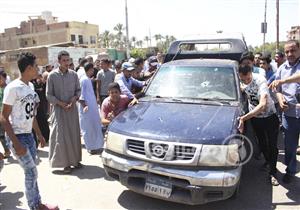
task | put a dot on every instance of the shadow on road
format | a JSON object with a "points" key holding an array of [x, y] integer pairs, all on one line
{"points": [[255, 193], [86, 172], [14, 199]]}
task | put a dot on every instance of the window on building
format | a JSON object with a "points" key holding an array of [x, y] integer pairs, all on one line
{"points": [[33, 42], [92, 39], [80, 39], [73, 37], [25, 43]]}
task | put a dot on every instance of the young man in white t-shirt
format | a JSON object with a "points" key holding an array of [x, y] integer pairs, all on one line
{"points": [[18, 118], [262, 114]]}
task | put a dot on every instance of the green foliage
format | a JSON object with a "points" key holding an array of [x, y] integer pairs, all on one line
{"points": [[138, 52], [269, 48]]}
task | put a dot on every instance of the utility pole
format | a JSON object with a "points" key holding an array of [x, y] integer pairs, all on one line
{"points": [[277, 24], [265, 26], [127, 31]]}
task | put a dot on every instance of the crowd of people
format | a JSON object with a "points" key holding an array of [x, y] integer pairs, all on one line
{"points": [[60, 106], [273, 104]]}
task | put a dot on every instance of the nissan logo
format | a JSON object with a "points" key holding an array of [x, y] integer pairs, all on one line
{"points": [[158, 150]]}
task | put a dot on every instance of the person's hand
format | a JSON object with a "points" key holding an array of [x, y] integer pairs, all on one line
{"points": [[133, 102], [110, 116], [242, 87], [72, 102], [63, 105], [98, 100], [20, 149], [41, 140], [283, 104], [241, 124], [273, 86], [85, 109], [69, 106]]}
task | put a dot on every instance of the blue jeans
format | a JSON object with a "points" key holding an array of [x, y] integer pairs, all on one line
{"points": [[291, 137], [28, 163]]}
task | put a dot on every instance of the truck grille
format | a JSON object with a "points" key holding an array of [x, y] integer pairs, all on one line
{"points": [[160, 150], [136, 146], [184, 152]]}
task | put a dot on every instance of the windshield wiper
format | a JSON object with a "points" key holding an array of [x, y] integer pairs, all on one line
{"points": [[216, 100], [169, 98]]}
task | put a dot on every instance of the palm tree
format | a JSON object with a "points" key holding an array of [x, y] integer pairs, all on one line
{"points": [[105, 39], [133, 41], [172, 39], [158, 37], [139, 43], [147, 40], [119, 28]]}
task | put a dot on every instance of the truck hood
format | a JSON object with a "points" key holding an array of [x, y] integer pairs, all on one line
{"points": [[177, 122]]}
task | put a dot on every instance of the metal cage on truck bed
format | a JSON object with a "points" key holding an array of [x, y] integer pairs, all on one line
{"points": [[223, 48]]}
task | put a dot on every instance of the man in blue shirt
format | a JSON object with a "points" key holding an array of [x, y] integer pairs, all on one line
{"points": [[288, 98], [126, 81]]}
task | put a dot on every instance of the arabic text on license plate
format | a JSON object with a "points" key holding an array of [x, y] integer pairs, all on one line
{"points": [[158, 188]]}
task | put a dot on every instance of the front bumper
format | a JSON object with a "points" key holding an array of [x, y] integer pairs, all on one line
{"points": [[189, 186]]}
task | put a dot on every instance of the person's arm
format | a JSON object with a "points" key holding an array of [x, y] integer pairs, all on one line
{"points": [[50, 93], [291, 79], [77, 88], [125, 90], [105, 115], [105, 121], [138, 83], [257, 110], [282, 102], [4, 118], [133, 102], [98, 87], [82, 99], [38, 133]]}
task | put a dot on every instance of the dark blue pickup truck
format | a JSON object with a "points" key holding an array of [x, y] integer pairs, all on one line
{"points": [[175, 143]]}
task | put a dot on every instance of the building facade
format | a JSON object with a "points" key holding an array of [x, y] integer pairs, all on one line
{"points": [[294, 33], [46, 31]]}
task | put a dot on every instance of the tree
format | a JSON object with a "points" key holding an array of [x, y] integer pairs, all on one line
{"points": [[172, 39], [119, 28], [138, 52], [270, 48], [163, 46], [105, 39], [158, 37], [133, 41], [139, 43], [147, 40]]}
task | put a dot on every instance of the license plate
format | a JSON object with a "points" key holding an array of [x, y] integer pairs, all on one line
{"points": [[158, 187]]}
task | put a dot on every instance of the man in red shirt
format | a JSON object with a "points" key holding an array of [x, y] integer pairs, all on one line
{"points": [[114, 103]]}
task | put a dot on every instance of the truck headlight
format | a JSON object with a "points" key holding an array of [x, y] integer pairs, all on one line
{"points": [[219, 155], [115, 142]]}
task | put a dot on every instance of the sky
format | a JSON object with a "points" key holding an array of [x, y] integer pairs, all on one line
{"points": [[180, 18]]}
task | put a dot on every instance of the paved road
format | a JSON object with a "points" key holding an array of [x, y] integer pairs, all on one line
{"points": [[89, 188]]}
